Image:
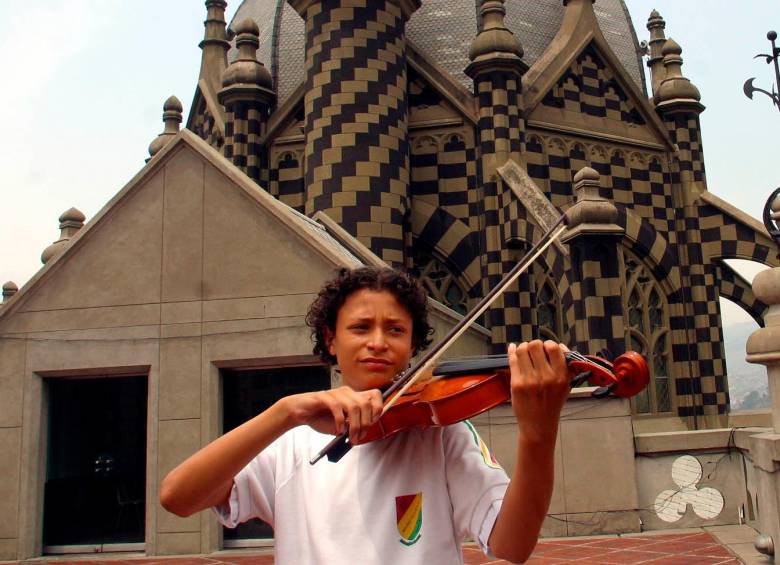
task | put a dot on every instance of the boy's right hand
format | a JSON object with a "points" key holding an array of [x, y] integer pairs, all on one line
{"points": [[336, 410]]}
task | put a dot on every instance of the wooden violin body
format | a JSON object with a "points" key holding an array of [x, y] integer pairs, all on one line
{"points": [[463, 388]]}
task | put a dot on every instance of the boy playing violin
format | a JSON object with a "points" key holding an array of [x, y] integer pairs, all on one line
{"points": [[409, 498]]}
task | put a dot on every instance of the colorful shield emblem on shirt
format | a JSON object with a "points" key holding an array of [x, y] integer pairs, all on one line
{"points": [[487, 457], [408, 512]]}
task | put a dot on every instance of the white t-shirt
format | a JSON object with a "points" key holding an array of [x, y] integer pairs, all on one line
{"points": [[409, 499]]}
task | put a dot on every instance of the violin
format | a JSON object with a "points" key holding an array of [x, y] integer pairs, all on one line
{"points": [[459, 389], [467, 387], [431, 394]]}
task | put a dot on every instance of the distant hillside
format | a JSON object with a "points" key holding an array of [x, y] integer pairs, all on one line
{"points": [[747, 381]]}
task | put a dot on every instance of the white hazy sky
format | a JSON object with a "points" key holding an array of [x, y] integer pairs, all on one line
{"points": [[85, 81]]}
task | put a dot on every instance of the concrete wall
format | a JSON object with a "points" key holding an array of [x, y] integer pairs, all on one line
{"points": [[726, 478], [189, 269], [595, 485]]}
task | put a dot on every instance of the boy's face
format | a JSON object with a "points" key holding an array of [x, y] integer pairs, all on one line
{"points": [[373, 339]]}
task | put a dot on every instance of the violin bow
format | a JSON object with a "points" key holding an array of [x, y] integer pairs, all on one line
{"points": [[340, 445]]}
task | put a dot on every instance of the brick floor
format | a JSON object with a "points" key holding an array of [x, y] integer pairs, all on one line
{"points": [[698, 548]]}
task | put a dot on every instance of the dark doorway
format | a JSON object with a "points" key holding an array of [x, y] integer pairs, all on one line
{"points": [[96, 463], [246, 393]]}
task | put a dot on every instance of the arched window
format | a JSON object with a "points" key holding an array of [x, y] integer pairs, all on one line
{"points": [[440, 282], [549, 314], [647, 332]]}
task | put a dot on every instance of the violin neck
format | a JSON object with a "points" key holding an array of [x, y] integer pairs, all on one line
{"points": [[471, 365], [476, 365]]}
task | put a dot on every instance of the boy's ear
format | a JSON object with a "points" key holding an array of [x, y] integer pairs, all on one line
{"points": [[329, 341]]}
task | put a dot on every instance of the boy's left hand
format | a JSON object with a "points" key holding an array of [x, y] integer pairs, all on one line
{"points": [[540, 385]]}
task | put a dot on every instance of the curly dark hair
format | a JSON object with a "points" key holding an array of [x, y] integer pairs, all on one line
{"points": [[324, 310]]}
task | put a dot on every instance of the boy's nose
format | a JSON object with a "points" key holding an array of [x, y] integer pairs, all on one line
{"points": [[377, 340]]}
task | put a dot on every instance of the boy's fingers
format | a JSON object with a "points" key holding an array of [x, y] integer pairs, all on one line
{"points": [[555, 355], [538, 355], [525, 365]]}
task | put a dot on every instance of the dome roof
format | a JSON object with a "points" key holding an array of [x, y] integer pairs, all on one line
{"points": [[443, 31]]}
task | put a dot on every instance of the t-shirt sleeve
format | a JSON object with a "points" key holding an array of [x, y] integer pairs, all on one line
{"points": [[476, 482], [252, 495]]}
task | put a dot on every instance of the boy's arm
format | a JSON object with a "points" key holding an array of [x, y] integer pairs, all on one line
{"points": [[540, 386], [206, 478]]}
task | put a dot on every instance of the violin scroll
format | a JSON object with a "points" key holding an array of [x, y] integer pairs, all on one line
{"points": [[631, 373], [627, 376]]}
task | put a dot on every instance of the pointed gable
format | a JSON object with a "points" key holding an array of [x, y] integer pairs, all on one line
{"points": [[589, 95], [433, 94], [426, 103], [578, 85], [188, 227], [590, 87]]}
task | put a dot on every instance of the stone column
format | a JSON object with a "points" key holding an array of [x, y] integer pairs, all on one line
{"points": [[594, 237], [247, 95], [497, 69], [357, 149], [706, 390], [763, 347]]}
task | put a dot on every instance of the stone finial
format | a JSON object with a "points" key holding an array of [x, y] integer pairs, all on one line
{"points": [[586, 174], [655, 21], [494, 42], [9, 289], [675, 86], [591, 213], [71, 221], [172, 118], [246, 69], [766, 287]]}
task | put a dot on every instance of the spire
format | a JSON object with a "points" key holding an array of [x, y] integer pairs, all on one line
{"points": [[172, 118], [675, 88], [656, 26], [71, 221], [246, 70], [215, 45], [494, 44]]}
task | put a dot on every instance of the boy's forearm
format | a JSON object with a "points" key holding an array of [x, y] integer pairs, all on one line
{"points": [[526, 502], [205, 478]]}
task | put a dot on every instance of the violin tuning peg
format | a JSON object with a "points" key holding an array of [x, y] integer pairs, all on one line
{"points": [[603, 391], [581, 378]]}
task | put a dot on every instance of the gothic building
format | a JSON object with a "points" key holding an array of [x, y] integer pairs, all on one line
{"points": [[440, 136], [445, 137]]}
